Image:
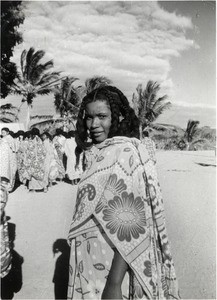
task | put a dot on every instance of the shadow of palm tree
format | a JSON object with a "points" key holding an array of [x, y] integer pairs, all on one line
{"points": [[13, 281], [61, 272]]}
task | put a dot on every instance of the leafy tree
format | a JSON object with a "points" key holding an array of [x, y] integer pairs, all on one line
{"points": [[67, 98], [11, 17], [95, 82], [8, 113], [34, 79], [148, 106], [190, 138]]}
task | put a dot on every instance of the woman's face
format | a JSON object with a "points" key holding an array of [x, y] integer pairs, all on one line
{"points": [[98, 120]]}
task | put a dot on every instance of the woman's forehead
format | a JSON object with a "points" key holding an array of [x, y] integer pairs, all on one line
{"points": [[98, 105]]}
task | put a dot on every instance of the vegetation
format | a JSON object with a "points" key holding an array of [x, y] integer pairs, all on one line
{"points": [[11, 17], [67, 98], [34, 79], [170, 137], [95, 82], [8, 113], [148, 106], [190, 138]]}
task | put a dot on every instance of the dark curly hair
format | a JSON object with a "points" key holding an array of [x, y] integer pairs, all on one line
{"points": [[124, 121]]}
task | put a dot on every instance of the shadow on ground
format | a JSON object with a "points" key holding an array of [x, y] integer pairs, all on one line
{"points": [[61, 272], [13, 281]]}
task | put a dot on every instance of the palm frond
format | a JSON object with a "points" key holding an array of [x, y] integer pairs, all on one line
{"points": [[49, 76], [6, 120], [159, 101], [96, 82], [160, 109], [199, 141], [41, 117], [22, 59], [45, 91], [28, 63], [36, 57], [158, 127], [8, 106], [191, 130]]}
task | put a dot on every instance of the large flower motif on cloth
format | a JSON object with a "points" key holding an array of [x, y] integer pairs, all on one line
{"points": [[125, 216], [113, 187]]}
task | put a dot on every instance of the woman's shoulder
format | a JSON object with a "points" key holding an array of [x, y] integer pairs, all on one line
{"points": [[121, 144]]}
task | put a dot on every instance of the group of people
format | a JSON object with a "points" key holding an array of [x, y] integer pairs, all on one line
{"points": [[38, 160], [118, 237]]}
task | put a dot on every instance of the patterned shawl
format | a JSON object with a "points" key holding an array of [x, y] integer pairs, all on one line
{"points": [[120, 190], [35, 158]]}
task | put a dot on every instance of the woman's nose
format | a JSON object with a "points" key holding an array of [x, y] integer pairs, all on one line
{"points": [[95, 122]]}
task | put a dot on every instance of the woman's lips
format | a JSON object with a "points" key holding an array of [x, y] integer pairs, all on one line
{"points": [[96, 133]]}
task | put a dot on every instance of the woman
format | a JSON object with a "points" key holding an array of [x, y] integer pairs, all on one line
{"points": [[72, 173], [35, 159], [59, 142], [119, 244], [52, 166], [7, 138]]}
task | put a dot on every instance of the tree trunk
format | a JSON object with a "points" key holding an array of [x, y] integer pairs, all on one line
{"points": [[29, 108]]}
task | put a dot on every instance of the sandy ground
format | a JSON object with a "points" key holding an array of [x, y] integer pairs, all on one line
{"points": [[188, 182]]}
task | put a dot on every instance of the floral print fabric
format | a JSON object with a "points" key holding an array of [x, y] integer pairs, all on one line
{"points": [[119, 195]]}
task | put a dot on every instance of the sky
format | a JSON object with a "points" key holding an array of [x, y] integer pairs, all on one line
{"points": [[130, 42]]}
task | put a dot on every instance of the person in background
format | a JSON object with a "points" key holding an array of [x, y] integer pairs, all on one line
{"points": [[59, 142], [118, 237], [35, 162], [72, 173], [23, 163], [5, 245], [11, 261], [53, 166], [12, 164]]}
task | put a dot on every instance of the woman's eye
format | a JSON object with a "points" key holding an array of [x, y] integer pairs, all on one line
{"points": [[102, 117]]}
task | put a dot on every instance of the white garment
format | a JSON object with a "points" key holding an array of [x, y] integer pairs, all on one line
{"points": [[69, 149], [8, 159]]}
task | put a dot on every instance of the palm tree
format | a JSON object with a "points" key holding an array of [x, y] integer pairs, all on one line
{"points": [[190, 137], [96, 82], [148, 106], [34, 79], [67, 97], [8, 113]]}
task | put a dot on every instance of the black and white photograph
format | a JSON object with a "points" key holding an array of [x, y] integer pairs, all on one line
{"points": [[108, 150]]}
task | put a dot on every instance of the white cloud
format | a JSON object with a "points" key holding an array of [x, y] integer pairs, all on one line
{"points": [[129, 42], [194, 105]]}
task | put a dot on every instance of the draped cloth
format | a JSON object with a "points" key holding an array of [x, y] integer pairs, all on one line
{"points": [[35, 163], [53, 166], [23, 164], [8, 161], [119, 200], [5, 243], [69, 149]]}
